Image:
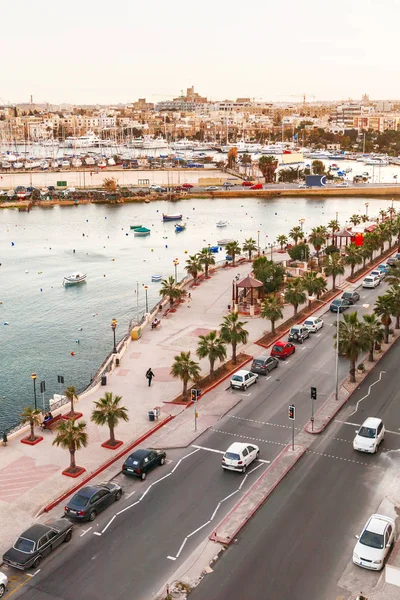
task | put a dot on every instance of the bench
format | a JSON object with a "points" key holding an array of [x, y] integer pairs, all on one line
{"points": [[51, 422]]}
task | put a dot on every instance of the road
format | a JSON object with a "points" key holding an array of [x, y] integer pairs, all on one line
{"points": [[138, 543]]}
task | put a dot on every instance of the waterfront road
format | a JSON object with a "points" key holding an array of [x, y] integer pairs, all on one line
{"points": [[135, 553]]}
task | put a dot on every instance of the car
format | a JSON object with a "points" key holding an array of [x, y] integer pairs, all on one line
{"points": [[370, 435], [302, 186], [343, 184], [239, 456], [313, 324], [298, 333], [91, 500], [282, 349], [212, 188], [3, 193], [264, 364], [3, 584], [256, 186], [378, 273], [397, 257], [374, 542], [36, 542], [339, 304], [242, 379], [383, 267], [157, 188], [371, 281], [392, 261], [143, 460], [247, 183], [352, 297], [187, 186]]}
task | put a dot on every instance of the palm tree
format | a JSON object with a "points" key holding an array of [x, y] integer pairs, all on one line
{"points": [[32, 416], [170, 289], [185, 368], [313, 284], [232, 332], [194, 266], [393, 276], [232, 249], [296, 233], [383, 309], [366, 252], [384, 234], [249, 246], [232, 157], [71, 395], [206, 259], [393, 295], [374, 333], [282, 240], [353, 257], [268, 166], [355, 220], [317, 238], [352, 340], [271, 309], [294, 294], [382, 214], [334, 226], [108, 411], [212, 347], [72, 436], [333, 267]]}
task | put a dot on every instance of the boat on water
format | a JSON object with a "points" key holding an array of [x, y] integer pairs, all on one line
{"points": [[74, 278], [171, 217], [179, 227], [135, 226], [157, 277], [224, 242], [141, 231], [222, 223]]}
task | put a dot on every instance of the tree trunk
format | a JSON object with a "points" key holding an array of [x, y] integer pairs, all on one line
{"points": [[398, 321], [212, 367], [72, 404], [333, 282], [32, 435], [272, 327], [112, 435], [371, 353], [233, 258], [206, 270], [234, 353], [295, 306], [386, 334], [171, 300], [353, 371], [184, 391], [352, 270], [72, 464]]}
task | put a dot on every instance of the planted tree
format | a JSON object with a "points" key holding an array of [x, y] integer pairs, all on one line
{"points": [[72, 395], [355, 219], [194, 266], [282, 240], [249, 246], [296, 233], [352, 340], [333, 267], [333, 225], [314, 285], [232, 157], [206, 259], [393, 296], [72, 436], [383, 308], [232, 332], [212, 347], [374, 332], [169, 289], [232, 249], [299, 252], [32, 416], [269, 272], [108, 411], [271, 309], [268, 166], [353, 257], [317, 238], [295, 294], [184, 368]]}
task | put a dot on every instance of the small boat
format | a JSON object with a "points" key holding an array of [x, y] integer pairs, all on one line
{"points": [[135, 226], [156, 277], [179, 228], [141, 231], [222, 223], [171, 217], [224, 242], [74, 278]]}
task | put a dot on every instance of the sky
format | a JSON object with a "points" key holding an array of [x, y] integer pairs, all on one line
{"points": [[88, 52]]}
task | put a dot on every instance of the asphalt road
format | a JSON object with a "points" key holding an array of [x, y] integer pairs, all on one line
{"points": [[139, 550]]}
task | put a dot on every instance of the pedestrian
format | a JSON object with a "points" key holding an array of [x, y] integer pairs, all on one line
{"points": [[149, 375], [189, 299], [5, 439]]}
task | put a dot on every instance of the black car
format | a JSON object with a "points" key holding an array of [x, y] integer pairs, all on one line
{"points": [[298, 333], [36, 542], [264, 364], [140, 462], [352, 297], [91, 500]]}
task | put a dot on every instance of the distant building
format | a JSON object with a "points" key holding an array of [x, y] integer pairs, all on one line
{"points": [[378, 122], [343, 115]]}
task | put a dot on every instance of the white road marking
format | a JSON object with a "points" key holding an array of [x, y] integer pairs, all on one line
{"points": [[287, 361], [269, 377], [368, 393], [85, 531], [171, 557], [97, 532], [109, 523], [198, 529], [246, 437], [263, 422], [359, 425], [33, 574], [304, 349], [208, 449], [181, 459], [130, 494], [182, 546]]}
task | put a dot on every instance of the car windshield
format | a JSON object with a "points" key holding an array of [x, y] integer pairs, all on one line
{"points": [[367, 432], [368, 279], [337, 302], [24, 545], [237, 378], [295, 330], [277, 348], [80, 500], [347, 295], [258, 362], [232, 456], [373, 540], [308, 322]]}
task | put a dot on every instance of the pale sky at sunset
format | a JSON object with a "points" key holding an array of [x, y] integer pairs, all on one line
{"points": [[109, 52]]}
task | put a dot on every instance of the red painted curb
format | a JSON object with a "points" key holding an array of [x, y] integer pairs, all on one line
{"points": [[107, 464], [214, 536], [117, 445], [74, 475], [29, 443]]}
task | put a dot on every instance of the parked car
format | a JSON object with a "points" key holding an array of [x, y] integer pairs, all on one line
{"points": [[282, 349], [36, 542], [239, 456], [374, 542], [397, 257], [187, 186], [298, 333], [247, 183], [140, 462], [212, 188], [343, 184], [264, 364], [383, 267], [352, 297], [91, 500], [371, 281], [242, 379], [313, 324], [3, 584], [392, 261], [257, 186], [302, 186], [378, 273], [370, 435], [339, 304]]}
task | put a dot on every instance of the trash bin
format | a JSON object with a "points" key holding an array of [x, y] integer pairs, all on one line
{"points": [[117, 362], [104, 380], [151, 415]]}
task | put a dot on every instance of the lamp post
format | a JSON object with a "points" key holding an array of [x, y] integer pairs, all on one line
{"points": [[301, 221], [33, 377], [176, 263], [366, 209], [114, 324], [146, 287]]}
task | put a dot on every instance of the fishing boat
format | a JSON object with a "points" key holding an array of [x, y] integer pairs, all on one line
{"points": [[141, 231], [74, 278], [179, 228], [171, 217], [222, 223], [135, 226], [157, 277], [224, 242]]}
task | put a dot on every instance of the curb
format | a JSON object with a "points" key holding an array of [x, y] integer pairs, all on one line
{"points": [[214, 536], [105, 465]]}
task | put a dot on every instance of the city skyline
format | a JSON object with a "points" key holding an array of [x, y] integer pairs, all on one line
{"points": [[279, 53]]}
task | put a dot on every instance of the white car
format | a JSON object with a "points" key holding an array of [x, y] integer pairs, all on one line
{"points": [[378, 273], [374, 542], [313, 324], [3, 584], [371, 281], [242, 379], [370, 435], [239, 456], [343, 184]]}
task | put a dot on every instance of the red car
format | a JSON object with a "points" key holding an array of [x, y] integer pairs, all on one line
{"points": [[282, 349], [257, 186], [187, 186], [247, 183]]}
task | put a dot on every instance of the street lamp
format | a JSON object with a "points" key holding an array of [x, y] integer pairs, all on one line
{"points": [[114, 324], [301, 221], [146, 287], [176, 263], [33, 376], [366, 209]]}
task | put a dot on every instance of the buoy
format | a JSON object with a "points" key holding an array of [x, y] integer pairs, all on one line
{"points": [[39, 272], [87, 220], [186, 251], [127, 234], [166, 245], [77, 341], [72, 353], [6, 323], [152, 250], [41, 289], [103, 275], [12, 244], [80, 329], [73, 250], [26, 271]]}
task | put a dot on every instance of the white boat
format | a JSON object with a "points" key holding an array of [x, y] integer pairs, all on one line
{"points": [[224, 242], [76, 162], [102, 164], [222, 223], [89, 160], [151, 143], [65, 164], [182, 145], [156, 277], [84, 141], [74, 278], [111, 162], [18, 165]]}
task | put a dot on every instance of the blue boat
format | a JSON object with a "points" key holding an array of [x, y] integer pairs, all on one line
{"points": [[179, 228], [156, 277], [171, 217]]}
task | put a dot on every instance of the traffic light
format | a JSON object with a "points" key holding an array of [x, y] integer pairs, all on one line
{"points": [[193, 395], [313, 393], [292, 412]]}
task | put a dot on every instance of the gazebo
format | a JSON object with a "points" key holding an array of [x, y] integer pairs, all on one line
{"points": [[251, 286], [344, 234]]}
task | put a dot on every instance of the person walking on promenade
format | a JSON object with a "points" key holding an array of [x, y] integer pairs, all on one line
{"points": [[149, 375], [189, 299]]}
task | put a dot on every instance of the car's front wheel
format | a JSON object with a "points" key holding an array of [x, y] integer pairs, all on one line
{"points": [[118, 495], [162, 460], [68, 537], [36, 562], [258, 454], [2, 590], [92, 515]]}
